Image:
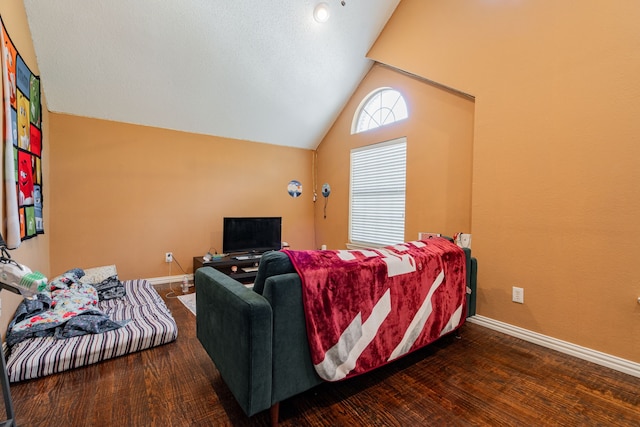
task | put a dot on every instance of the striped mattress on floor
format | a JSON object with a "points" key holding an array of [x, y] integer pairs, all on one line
{"points": [[151, 325]]}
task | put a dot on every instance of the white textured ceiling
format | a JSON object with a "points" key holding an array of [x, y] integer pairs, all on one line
{"points": [[261, 71]]}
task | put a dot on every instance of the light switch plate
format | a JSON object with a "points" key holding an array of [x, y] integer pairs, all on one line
{"points": [[517, 295]]}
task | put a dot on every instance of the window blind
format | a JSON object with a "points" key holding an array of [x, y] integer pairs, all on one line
{"points": [[378, 184]]}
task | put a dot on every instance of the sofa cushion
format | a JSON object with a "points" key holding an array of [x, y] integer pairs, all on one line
{"points": [[272, 263]]}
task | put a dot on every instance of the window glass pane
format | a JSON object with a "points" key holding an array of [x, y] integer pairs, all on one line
{"points": [[378, 183], [383, 107]]}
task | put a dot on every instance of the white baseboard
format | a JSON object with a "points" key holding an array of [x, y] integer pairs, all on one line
{"points": [[613, 362], [155, 281]]}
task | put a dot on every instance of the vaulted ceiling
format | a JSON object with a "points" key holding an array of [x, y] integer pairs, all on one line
{"points": [[252, 70]]}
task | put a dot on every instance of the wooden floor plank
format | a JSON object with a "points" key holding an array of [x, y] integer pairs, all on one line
{"points": [[484, 378]]}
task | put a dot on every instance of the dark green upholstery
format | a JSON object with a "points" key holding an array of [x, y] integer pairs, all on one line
{"points": [[293, 371], [234, 325], [471, 298], [258, 339], [271, 264]]}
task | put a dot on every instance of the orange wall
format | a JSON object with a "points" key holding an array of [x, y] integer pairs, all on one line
{"points": [[556, 161], [439, 135], [125, 194], [33, 252]]}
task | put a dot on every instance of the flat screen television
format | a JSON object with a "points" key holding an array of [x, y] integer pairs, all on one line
{"points": [[251, 234]]}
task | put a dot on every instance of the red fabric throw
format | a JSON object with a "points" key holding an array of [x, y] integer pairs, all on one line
{"points": [[365, 308]]}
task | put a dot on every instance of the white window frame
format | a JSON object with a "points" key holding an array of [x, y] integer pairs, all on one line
{"points": [[378, 110], [378, 176]]}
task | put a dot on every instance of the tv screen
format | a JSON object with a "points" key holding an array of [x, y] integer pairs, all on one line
{"points": [[255, 235]]}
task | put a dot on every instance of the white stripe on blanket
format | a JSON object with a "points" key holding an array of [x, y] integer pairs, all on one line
{"points": [[417, 323], [343, 356]]}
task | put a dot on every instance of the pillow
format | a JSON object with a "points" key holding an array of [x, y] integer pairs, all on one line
{"points": [[271, 264], [98, 274]]}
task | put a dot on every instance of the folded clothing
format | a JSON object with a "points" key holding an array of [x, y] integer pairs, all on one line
{"points": [[110, 288]]}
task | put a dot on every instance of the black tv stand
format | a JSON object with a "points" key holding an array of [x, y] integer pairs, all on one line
{"points": [[226, 264]]}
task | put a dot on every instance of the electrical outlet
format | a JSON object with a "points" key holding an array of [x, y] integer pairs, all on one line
{"points": [[517, 295], [168, 257]]}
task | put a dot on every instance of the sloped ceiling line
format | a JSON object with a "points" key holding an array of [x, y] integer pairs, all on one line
{"points": [[244, 69]]}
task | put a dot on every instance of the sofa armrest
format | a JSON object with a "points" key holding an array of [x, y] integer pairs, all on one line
{"points": [[472, 273], [234, 325], [473, 285], [293, 371]]}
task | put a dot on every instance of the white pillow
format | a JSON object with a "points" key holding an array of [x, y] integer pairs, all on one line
{"points": [[98, 274]]}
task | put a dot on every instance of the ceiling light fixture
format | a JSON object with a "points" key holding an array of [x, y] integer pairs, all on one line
{"points": [[321, 12]]}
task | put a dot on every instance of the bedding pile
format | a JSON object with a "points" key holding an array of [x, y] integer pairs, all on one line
{"points": [[64, 308], [365, 308], [82, 319]]}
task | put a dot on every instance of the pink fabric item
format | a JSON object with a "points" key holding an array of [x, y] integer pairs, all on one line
{"points": [[365, 308]]}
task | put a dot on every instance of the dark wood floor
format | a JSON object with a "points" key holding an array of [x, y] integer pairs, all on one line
{"points": [[485, 378]]}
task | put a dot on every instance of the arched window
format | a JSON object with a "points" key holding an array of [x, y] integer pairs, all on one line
{"points": [[381, 107]]}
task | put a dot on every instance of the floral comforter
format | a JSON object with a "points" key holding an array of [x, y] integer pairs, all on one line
{"points": [[64, 309]]}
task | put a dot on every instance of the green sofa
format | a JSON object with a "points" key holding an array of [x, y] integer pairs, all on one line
{"points": [[257, 337]]}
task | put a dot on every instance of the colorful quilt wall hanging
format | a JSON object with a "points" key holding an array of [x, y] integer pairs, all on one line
{"points": [[22, 135]]}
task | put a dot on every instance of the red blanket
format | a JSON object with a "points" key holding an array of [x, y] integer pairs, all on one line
{"points": [[365, 308]]}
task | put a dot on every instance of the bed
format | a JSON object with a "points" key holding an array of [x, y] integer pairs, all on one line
{"points": [[147, 323]]}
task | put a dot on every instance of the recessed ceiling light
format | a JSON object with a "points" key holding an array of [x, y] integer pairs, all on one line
{"points": [[321, 12]]}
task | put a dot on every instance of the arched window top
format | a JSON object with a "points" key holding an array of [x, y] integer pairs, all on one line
{"points": [[381, 107]]}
